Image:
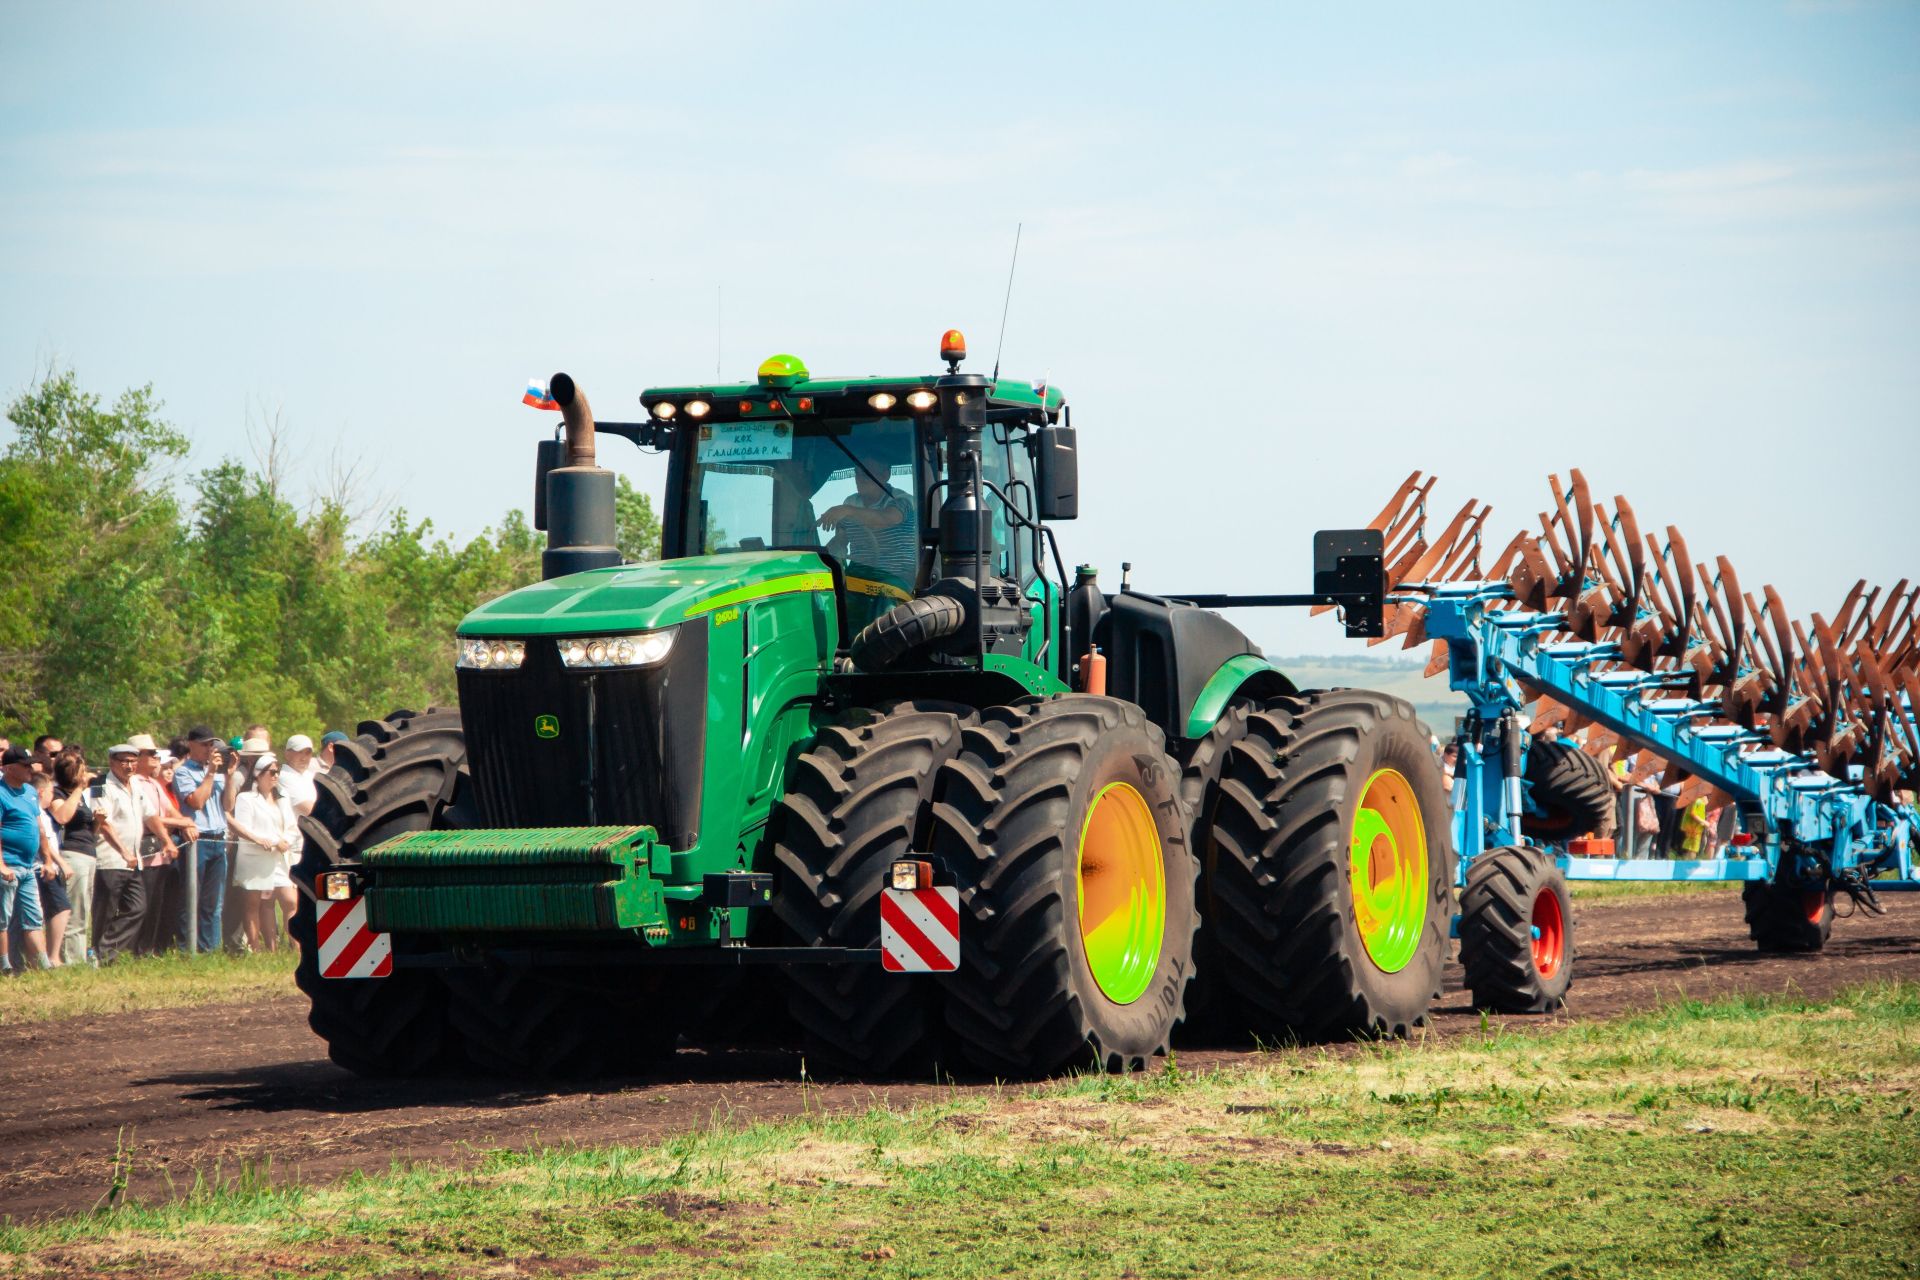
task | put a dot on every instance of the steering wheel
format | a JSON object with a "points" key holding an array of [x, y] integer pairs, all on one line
{"points": [[858, 540]]}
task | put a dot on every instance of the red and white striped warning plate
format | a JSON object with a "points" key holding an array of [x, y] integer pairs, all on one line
{"points": [[348, 949], [920, 930]]}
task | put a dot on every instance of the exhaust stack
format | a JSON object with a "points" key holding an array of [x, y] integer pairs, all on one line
{"points": [[579, 507]]}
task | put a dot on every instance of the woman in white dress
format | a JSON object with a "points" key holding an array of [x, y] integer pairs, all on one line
{"points": [[269, 845]]}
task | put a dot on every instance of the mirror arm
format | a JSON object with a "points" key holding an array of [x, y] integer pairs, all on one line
{"points": [[648, 435]]}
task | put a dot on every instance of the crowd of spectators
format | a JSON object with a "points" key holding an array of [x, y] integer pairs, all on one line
{"points": [[190, 845]]}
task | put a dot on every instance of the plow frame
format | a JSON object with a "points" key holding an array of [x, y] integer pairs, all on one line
{"points": [[1501, 658]]}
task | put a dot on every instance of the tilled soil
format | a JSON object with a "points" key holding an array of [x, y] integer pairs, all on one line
{"points": [[206, 1090]]}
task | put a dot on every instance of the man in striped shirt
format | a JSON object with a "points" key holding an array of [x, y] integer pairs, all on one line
{"points": [[876, 527]]}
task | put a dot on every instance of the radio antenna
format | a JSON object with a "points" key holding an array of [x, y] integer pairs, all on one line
{"points": [[1001, 345]]}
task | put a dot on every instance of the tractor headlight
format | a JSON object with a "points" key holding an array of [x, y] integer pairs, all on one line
{"points": [[479, 653], [640, 649]]}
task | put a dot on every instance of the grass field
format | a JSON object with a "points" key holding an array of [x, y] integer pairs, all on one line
{"points": [[1743, 1138], [156, 982], [1604, 890]]}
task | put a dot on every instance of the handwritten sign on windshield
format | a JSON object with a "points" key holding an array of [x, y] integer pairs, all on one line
{"points": [[746, 442]]}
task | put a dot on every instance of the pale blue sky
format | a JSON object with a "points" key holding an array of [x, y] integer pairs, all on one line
{"points": [[1277, 256]]}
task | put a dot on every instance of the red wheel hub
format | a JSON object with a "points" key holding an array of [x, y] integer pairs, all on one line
{"points": [[1549, 933]]}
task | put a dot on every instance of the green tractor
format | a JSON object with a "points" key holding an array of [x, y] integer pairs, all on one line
{"points": [[857, 767]]}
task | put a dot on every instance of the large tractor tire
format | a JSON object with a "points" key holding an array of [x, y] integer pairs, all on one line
{"points": [[1203, 761], [856, 802], [558, 1023], [1062, 822], [1516, 932], [404, 773], [1787, 917], [1328, 880], [1570, 789]]}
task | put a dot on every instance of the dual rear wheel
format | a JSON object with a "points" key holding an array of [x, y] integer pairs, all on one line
{"points": [[1327, 868], [1061, 823]]}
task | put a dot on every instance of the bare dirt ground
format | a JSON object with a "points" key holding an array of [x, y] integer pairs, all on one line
{"points": [[208, 1089]]}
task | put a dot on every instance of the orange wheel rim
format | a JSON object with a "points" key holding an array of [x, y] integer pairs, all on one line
{"points": [[1549, 933], [1123, 892], [1387, 870]]}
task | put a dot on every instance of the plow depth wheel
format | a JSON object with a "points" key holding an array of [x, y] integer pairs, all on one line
{"points": [[1062, 823], [1328, 870], [1516, 932], [1787, 917]]}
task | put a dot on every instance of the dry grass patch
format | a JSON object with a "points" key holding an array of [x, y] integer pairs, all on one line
{"points": [[167, 981], [1703, 1140]]}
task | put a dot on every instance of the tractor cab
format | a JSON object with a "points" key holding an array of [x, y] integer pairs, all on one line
{"points": [[905, 486]]}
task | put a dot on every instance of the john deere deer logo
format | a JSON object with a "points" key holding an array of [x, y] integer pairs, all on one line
{"points": [[546, 726]]}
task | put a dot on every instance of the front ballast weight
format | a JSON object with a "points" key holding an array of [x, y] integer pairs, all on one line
{"points": [[919, 920]]}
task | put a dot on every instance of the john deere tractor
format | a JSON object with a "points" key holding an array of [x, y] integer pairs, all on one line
{"points": [[858, 766]]}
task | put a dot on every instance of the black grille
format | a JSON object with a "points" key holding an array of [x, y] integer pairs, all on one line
{"points": [[627, 746]]}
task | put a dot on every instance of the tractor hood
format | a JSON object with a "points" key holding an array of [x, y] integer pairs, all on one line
{"points": [[642, 597]]}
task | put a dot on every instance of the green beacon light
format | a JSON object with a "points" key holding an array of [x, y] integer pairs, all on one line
{"points": [[782, 371]]}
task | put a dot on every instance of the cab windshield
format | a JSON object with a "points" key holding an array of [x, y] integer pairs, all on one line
{"points": [[844, 485]]}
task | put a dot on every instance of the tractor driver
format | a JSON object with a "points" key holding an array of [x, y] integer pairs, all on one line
{"points": [[876, 524]]}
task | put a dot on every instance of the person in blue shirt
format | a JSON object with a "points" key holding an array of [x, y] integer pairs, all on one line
{"points": [[21, 847], [200, 784]]}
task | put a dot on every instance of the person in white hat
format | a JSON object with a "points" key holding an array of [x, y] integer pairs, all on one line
{"points": [[297, 777], [269, 833], [119, 894]]}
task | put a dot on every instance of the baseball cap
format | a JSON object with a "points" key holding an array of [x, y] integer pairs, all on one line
{"points": [[16, 755], [332, 735], [236, 743], [299, 742], [200, 733]]}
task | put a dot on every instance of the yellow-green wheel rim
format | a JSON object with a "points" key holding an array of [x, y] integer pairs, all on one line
{"points": [[1387, 861], [1122, 892]]}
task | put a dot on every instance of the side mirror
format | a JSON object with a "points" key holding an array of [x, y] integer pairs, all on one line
{"points": [[1348, 564], [551, 452], [1056, 470]]}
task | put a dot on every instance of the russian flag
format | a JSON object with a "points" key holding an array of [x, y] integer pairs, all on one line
{"points": [[537, 396]]}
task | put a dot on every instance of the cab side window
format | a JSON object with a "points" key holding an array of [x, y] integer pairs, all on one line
{"points": [[1005, 464]]}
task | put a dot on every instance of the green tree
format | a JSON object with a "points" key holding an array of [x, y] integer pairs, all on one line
{"points": [[129, 612], [90, 616], [638, 527]]}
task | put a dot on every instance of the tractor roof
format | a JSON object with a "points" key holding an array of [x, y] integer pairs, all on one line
{"points": [[1008, 391], [785, 378]]}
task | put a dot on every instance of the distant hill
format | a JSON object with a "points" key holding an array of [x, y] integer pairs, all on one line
{"points": [[1392, 672]]}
